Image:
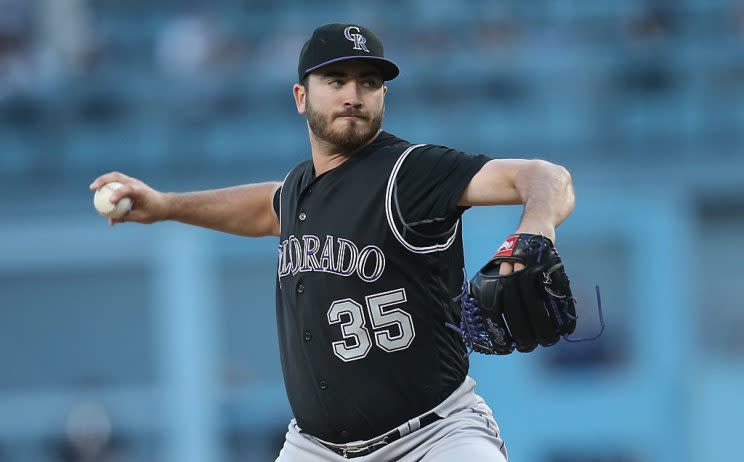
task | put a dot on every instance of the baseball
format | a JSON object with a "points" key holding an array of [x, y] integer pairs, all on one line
{"points": [[104, 206]]}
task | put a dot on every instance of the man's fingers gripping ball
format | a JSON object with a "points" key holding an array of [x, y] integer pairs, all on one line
{"points": [[107, 204], [110, 177]]}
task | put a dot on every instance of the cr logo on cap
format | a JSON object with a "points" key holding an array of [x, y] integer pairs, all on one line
{"points": [[357, 38]]}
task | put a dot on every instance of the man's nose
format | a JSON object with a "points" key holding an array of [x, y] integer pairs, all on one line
{"points": [[353, 94]]}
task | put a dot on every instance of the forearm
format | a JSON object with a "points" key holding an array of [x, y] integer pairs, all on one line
{"points": [[547, 194], [245, 210]]}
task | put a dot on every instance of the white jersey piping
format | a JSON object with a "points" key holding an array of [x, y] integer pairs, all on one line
{"points": [[389, 211]]}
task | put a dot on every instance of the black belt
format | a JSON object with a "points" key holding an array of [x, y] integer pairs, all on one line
{"points": [[351, 452]]}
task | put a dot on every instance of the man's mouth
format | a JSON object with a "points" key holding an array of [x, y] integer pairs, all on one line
{"points": [[350, 116]]}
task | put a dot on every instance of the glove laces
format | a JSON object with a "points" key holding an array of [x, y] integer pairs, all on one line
{"points": [[561, 302], [472, 324], [567, 337]]}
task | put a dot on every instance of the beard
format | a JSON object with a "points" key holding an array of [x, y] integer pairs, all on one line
{"points": [[351, 136]]}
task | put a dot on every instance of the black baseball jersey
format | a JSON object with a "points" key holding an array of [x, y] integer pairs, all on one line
{"points": [[362, 298]]}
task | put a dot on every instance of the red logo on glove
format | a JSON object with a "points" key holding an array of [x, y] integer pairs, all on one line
{"points": [[507, 248]]}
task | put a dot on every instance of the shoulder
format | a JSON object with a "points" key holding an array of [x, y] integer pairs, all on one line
{"points": [[433, 157]]}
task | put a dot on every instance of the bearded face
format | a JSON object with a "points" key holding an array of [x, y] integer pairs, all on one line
{"points": [[345, 130], [344, 104]]}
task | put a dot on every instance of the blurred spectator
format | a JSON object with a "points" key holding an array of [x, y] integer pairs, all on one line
{"points": [[15, 47], [186, 46], [88, 435], [64, 29], [647, 44]]}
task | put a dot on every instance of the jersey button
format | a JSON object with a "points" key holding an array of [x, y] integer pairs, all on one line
{"points": [[302, 216], [323, 384], [300, 289], [308, 335], [344, 435]]}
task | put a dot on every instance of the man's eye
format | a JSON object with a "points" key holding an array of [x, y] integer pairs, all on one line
{"points": [[336, 82]]}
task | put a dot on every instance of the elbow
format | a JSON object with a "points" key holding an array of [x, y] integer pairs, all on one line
{"points": [[565, 185], [550, 179], [562, 184], [559, 173], [562, 175]]}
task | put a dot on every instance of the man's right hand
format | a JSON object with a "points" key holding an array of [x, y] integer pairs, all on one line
{"points": [[148, 204]]}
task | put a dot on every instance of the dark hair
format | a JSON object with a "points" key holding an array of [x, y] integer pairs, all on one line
{"points": [[304, 81]]}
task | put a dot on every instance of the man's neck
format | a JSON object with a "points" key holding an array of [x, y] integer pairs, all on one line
{"points": [[327, 156]]}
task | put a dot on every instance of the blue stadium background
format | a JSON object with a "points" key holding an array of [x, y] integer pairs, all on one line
{"points": [[157, 343]]}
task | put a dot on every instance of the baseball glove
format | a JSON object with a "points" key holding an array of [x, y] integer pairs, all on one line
{"points": [[523, 309]]}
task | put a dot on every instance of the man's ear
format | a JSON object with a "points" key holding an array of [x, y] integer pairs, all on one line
{"points": [[384, 90], [300, 96]]}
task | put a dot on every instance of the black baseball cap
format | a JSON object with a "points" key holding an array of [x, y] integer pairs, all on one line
{"points": [[332, 43]]}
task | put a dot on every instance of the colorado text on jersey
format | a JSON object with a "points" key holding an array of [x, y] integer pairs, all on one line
{"points": [[299, 255]]}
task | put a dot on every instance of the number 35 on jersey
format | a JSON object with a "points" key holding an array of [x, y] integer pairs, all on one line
{"points": [[391, 327]]}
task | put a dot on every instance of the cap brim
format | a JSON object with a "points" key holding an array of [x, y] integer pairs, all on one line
{"points": [[388, 69]]}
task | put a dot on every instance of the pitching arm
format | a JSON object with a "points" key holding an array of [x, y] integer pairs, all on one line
{"points": [[246, 210]]}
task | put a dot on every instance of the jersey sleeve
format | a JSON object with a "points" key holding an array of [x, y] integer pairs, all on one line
{"points": [[431, 181], [277, 197]]}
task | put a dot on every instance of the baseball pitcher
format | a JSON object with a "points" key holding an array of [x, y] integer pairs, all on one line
{"points": [[375, 317]]}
